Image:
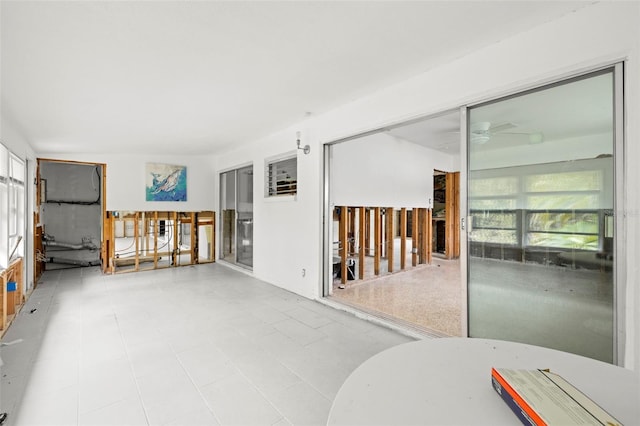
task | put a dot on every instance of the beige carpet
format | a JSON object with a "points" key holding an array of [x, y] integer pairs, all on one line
{"points": [[427, 297]]}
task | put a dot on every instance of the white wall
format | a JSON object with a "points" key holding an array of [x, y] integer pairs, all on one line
{"points": [[382, 170], [125, 178], [288, 236]]}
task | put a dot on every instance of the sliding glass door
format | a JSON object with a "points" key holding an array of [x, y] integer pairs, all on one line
{"points": [[541, 201], [236, 204]]}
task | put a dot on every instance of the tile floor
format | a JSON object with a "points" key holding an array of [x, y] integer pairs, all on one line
{"points": [[199, 345]]}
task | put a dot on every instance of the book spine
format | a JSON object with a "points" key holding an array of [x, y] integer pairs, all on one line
{"points": [[519, 406]]}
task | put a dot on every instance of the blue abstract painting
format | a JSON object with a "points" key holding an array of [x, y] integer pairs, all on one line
{"points": [[166, 182]]}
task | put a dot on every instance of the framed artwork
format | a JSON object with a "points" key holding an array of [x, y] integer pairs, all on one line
{"points": [[166, 182]]}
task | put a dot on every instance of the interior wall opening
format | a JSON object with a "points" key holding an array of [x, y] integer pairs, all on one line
{"points": [[68, 228], [383, 232]]}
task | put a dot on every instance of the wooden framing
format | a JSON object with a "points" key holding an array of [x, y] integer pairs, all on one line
{"points": [[156, 230], [403, 238], [342, 230], [38, 249], [206, 219], [354, 227], [11, 301], [146, 230], [428, 240], [414, 237], [377, 240], [452, 215], [390, 238], [361, 241], [367, 235], [352, 230]]}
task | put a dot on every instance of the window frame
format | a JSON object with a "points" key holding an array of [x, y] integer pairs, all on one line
{"points": [[522, 229], [271, 190]]}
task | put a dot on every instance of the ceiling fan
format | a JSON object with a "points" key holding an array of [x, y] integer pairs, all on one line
{"points": [[482, 131]]}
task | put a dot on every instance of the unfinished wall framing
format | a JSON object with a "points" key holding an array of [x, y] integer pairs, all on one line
{"points": [[147, 240], [452, 215], [367, 236], [12, 295]]}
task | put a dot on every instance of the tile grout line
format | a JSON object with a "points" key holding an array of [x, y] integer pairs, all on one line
{"points": [[129, 362]]}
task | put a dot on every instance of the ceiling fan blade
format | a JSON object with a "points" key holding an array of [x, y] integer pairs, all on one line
{"points": [[502, 127]]}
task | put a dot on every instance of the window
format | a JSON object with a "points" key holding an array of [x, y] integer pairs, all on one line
{"points": [[555, 209], [563, 209], [16, 207], [281, 177], [4, 209], [494, 204]]}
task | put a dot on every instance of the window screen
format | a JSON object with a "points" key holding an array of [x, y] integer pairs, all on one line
{"points": [[282, 177]]}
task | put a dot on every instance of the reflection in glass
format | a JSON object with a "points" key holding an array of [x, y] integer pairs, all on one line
{"points": [[245, 216], [540, 202]]}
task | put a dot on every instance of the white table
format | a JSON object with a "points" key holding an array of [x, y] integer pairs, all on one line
{"points": [[447, 381]]}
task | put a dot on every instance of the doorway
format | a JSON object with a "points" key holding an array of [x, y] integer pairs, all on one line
{"points": [[541, 203], [70, 199], [236, 204], [381, 229]]}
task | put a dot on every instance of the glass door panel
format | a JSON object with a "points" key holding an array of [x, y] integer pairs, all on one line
{"points": [[228, 216], [245, 216], [236, 203], [540, 200]]}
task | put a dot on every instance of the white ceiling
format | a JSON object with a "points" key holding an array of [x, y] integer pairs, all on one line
{"points": [[199, 77], [559, 112]]}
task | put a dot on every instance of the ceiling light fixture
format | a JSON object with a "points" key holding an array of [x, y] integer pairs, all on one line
{"points": [[535, 138], [306, 149]]}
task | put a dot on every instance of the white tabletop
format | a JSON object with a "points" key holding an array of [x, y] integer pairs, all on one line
{"points": [[447, 381]]}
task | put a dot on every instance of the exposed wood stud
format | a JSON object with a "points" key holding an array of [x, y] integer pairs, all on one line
{"points": [[367, 236], [425, 233], [378, 240], [194, 241], [429, 236], [213, 239], [136, 236], [452, 215], [390, 239], [342, 226], [361, 241], [175, 259], [352, 231], [414, 237], [403, 237], [156, 230]]}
